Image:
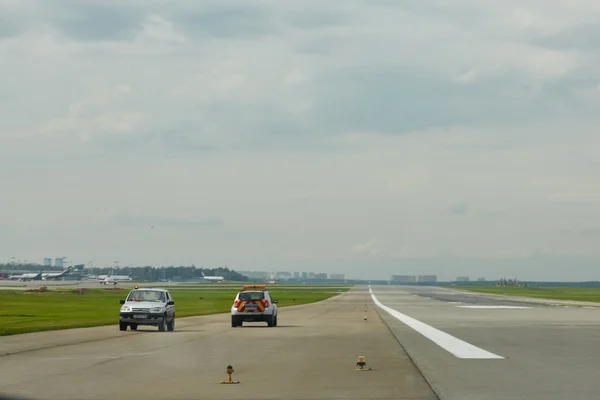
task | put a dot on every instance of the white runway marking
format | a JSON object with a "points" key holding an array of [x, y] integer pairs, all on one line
{"points": [[492, 307], [457, 347]]}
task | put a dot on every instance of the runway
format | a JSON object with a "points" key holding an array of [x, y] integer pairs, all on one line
{"points": [[311, 355], [545, 351], [431, 347]]}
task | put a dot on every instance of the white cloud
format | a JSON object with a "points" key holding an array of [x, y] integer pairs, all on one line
{"points": [[159, 29], [302, 130], [371, 248]]}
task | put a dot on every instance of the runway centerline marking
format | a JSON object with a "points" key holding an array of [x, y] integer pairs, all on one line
{"points": [[459, 348]]}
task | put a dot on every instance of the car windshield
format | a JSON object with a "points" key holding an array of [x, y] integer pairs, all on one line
{"points": [[251, 296], [146, 295]]}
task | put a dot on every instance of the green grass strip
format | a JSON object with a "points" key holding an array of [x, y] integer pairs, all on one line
{"points": [[22, 311]]}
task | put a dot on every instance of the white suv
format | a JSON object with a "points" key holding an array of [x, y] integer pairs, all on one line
{"points": [[254, 304], [148, 306]]}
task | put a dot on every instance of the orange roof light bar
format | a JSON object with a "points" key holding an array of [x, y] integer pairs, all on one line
{"points": [[255, 286]]}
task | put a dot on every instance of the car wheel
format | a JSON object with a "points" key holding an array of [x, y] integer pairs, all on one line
{"points": [[122, 326], [235, 322], [171, 325], [133, 327], [162, 325], [275, 320], [270, 320]]}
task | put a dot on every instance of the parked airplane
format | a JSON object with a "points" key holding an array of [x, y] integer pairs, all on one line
{"points": [[28, 277], [212, 278], [56, 275], [114, 279]]}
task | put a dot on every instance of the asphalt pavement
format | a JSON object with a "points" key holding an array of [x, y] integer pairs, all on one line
{"points": [[536, 351]]}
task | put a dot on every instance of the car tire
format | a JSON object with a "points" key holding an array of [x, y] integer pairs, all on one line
{"points": [[133, 327], [270, 321], [275, 320], [162, 325], [122, 326], [171, 325], [235, 322]]}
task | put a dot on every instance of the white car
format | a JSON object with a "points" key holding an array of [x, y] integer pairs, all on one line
{"points": [[254, 304], [147, 306]]}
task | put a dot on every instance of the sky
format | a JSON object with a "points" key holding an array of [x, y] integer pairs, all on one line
{"points": [[369, 138]]}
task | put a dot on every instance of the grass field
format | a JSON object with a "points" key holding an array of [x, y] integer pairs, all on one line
{"points": [[554, 293], [22, 311]]}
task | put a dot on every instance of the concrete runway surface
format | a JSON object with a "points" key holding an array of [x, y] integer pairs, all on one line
{"points": [[462, 346], [310, 355]]}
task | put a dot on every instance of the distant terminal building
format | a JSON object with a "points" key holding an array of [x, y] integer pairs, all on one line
{"points": [[304, 275], [319, 276], [337, 276], [296, 275], [404, 278], [59, 262], [480, 279], [462, 279], [427, 278], [47, 262]]}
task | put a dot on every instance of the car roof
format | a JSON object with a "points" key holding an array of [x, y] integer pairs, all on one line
{"points": [[152, 289], [254, 288]]}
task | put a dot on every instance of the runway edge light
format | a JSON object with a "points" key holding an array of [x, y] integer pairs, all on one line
{"points": [[229, 371], [361, 364]]}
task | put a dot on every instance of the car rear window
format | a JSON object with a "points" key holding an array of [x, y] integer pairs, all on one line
{"points": [[251, 296], [146, 295]]}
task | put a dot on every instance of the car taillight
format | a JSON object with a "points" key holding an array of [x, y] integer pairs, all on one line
{"points": [[236, 303], [266, 302]]}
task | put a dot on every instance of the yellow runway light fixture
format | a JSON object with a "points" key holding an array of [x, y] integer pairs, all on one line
{"points": [[230, 372]]}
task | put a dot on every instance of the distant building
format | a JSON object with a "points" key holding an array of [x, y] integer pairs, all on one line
{"points": [[59, 262], [462, 279], [255, 274], [47, 262], [304, 275], [480, 279], [404, 278], [320, 275], [337, 276], [296, 275], [427, 278]]}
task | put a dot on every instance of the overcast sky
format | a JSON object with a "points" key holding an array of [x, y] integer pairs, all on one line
{"points": [[367, 137]]}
